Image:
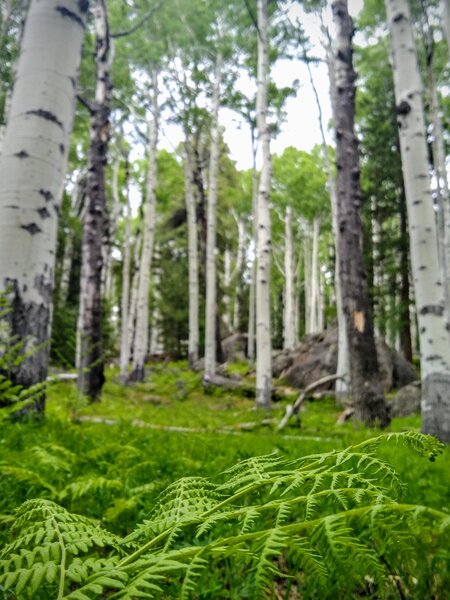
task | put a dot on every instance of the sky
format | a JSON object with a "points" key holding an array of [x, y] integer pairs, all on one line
{"points": [[301, 126]]}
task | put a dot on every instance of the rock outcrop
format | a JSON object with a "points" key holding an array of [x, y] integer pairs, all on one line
{"points": [[316, 357]]}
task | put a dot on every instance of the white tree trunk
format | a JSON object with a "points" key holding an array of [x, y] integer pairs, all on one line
{"points": [[108, 277], [342, 385], [193, 341], [227, 286], [251, 341], [314, 301], [211, 275], [446, 18], [289, 287], [125, 295], [440, 168], [141, 334], [307, 281], [68, 246], [321, 303], [132, 313], [429, 292], [240, 258], [156, 346], [32, 170], [263, 328]]}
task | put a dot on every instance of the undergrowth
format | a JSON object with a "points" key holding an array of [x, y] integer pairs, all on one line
{"points": [[327, 525], [337, 523]]}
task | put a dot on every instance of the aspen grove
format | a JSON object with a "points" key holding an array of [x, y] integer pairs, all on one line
{"points": [[224, 240]]}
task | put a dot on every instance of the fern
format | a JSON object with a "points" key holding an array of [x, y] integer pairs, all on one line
{"points": [[330, 521], [47, 539]]}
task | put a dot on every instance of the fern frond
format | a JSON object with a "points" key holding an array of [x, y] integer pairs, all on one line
{"points": [[56, 458], [88, 485], [114, 453], [193, 572], [266, 550], [257, 469], [146, 576], [307, 558], [47, 538], [249, 518], [419, 443], [26, 477], [333, 517], [183, 500]]}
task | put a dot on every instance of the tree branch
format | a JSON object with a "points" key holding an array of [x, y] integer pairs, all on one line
{"points": [[139, 24], [86, 103], [252, 16]]}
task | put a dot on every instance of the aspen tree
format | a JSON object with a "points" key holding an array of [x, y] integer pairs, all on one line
{"points": [[343, 365], [32, 170], [193, 341], [434, 338], [211, 271], [91, 367], [240, 263], [289, 287], [125, 295], [263, 328], [140, 346]]}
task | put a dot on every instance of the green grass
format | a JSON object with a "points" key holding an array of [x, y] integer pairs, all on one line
{"points": [[114, 472], [173, 396]]}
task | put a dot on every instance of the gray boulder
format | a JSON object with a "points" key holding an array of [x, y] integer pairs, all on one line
{"points": [[406, 401], [234, 347], [316, 357]]}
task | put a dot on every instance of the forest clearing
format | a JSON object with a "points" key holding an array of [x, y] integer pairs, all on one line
{"points": [[224, 299]]}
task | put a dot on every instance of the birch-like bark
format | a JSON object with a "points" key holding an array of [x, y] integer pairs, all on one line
{"points": [[321, 303], [289, 287], [110, 232], [211, 275], [405, 300], [68, 245], [125, 294], [193, 341], [227, 286], [315, 284], [442, 188], [263, 329], [433, 326], [90, 372], [307, 281], [240, 259], [251, 338], [32, 170], [156, 346], [140, 347], [367, 394], [342, 385], [446, 18], [134, 295]]}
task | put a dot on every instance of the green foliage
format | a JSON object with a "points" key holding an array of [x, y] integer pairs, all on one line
{"points": [[329, 522]]}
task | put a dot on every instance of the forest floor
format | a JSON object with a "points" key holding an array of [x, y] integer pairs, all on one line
{"points": [[109, 460], [184, 430]]}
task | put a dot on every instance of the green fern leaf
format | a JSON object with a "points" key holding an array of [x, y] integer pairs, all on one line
{"points": [[193, 572], [273, 542]]}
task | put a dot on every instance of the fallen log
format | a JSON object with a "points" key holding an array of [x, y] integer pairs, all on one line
{"points": [[292, 409], [244, 388], [62, 377]]}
